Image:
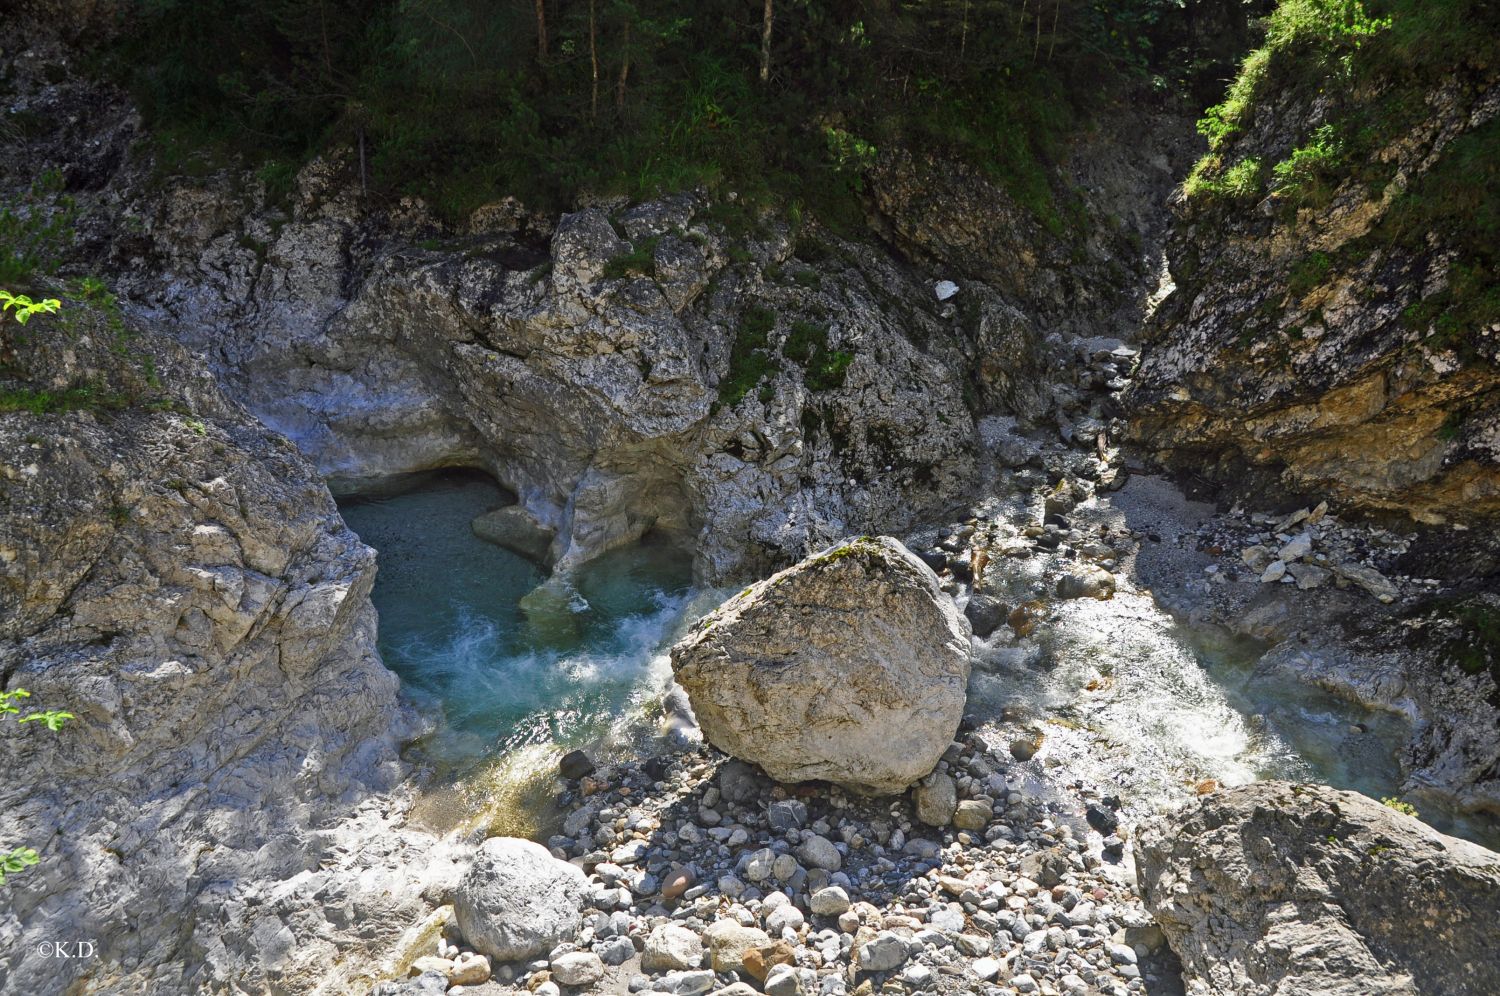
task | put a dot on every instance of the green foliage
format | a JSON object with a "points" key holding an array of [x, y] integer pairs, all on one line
{"points": [[1306, 41], [17, 860], [1308, 274], [804, 341], [1224, 121], [1324, 29], [20, 858], [827, 369], [450, 100], [1306, 175], [1209, 179], [849, 153], [85, 397], [278, 176], [639, 261], [23, 307], [34, 232], [1399, 806], [823, 369], [750, 359], [52, 719], [1370, 68], [1459, 198]]}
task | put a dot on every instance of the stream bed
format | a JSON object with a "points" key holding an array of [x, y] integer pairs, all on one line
{"points": [[509, 689]]}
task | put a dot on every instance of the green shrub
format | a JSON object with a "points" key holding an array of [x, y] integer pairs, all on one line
{"points": [[450, 100], [804, 341], [1322, 28], [1307, 174], [638, 261], [1399, 806], [1308, 274], [823, 369], [1242, 181], [1222, 122]]}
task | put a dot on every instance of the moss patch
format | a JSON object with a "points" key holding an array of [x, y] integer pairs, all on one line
{"points": [[750, 358]]}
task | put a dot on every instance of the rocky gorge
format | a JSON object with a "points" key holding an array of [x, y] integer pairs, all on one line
{"points": [[1069, 585]]}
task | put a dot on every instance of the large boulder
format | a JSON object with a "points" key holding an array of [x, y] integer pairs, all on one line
{"points": [[850, 667], [518, 901], [1282, 888]]}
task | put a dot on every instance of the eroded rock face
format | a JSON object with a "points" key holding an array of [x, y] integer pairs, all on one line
{"points": [[517, 901], [849, 667], [1283, 888], [179, 579], [718, 387], [1303, 348]]}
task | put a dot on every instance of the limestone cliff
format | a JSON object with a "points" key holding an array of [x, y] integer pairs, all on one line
{"points": [[1334, 329], [220, 814]]}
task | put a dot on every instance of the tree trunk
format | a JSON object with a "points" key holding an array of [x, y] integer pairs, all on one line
{"points": [[541, 30], [624, 70], [765, 44], [594, 64]]}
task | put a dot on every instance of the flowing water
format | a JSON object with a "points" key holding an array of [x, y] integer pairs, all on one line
{"points": [[513, 673], [1180, 705]]}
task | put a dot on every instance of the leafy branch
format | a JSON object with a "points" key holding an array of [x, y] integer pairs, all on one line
{"points": [[20, 858], [24, 307]]}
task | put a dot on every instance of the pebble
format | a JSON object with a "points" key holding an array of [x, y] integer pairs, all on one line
{"points": [[799, 895], [830, 901], [579, 968], [882, 953]]}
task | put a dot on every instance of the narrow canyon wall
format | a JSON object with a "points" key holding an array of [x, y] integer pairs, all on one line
{"points": [[1327, 336], [221, 814]]}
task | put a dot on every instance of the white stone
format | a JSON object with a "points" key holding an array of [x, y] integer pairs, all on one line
{"points": [[517, 901], [578, 968], [831, 901], [671, 948]]}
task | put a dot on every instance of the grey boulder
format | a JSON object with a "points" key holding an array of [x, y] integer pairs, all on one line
{"points": [[1284, 888], [849, 667], [517, 901]]}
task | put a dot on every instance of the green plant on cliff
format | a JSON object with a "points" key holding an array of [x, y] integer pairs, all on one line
{"points": [[1363, 76], [1307, 173], [22, 307], [638, 261], [1309, 44], [750, 359], [1400, 806], [34, 230], [18, 859], [1241, 181]]}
